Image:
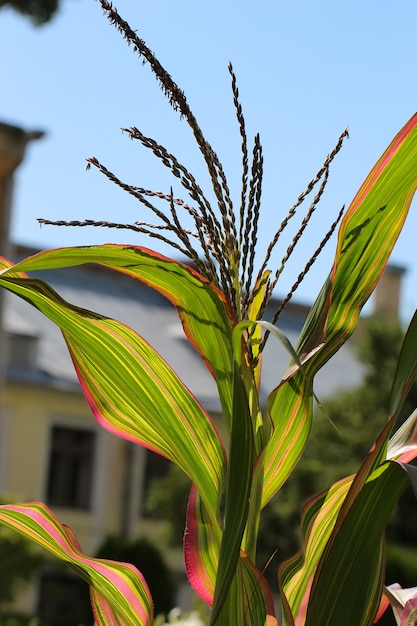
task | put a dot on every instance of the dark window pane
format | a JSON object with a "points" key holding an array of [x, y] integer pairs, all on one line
{"points": [[70, 467]]}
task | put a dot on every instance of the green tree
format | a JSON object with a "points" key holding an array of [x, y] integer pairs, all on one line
{"points": [[39, 11], [167, 499], [148, 559], [19, 561]]}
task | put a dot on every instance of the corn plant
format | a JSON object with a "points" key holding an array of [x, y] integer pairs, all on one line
{"points": [[338, 575]]}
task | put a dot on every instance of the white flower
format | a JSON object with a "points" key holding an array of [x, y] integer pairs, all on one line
{"points": [[403, 603], [176, 616]]}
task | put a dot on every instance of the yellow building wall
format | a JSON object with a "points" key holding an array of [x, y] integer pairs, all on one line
{"points": [[30, 413], [30, 410]]}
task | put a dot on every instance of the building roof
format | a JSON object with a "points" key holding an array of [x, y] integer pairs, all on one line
{"points": [[154, 318]]}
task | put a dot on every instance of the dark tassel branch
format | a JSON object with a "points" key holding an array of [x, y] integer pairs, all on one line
{"points": [[222, 242]]}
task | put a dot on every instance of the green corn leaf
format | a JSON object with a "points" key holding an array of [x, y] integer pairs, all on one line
{"points": [[204, 311], [406, 368], [132, 391], [144, 400], [299, 392], [249, 601], [367, 235], [200, 324], [238, 488], [254, 312], [356, 509], [327, 538], [290, 407], [201, 548], [240, 491], [366, 238], [120, 595], [348, 585], [317, 522]]}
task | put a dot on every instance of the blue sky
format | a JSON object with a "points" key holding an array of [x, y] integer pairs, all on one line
{"points": [[305, 71]]}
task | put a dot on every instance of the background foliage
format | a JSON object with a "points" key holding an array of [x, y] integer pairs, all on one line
{"points": [[19, 561], [39, 11], [148, 559]]}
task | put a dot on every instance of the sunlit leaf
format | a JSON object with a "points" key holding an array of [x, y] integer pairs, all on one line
{"points": [[366, 238], [204, 311], [132, 391], [201, 548], [238, 488], [342, 538], [249, 601], [121, 596], [406, 368]]}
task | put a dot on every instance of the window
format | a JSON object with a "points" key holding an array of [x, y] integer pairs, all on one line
{"points": [[70, 470], [22, 352]]}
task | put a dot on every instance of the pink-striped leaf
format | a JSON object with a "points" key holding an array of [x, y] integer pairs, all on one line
{"points": [[201, 548], [324, 520], [249, 600], [206, 315], [366, 238], [406, 368], [238, 491], [132, 391], [342, 532], [120, 595]]}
